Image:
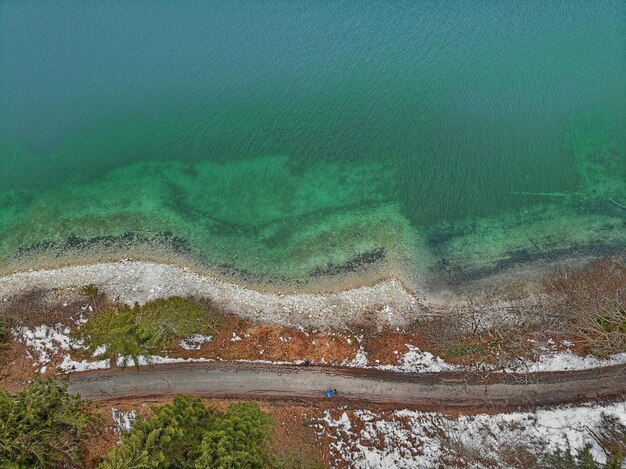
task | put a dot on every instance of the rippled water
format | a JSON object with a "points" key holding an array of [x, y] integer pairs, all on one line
{"points": [[295, 140]]}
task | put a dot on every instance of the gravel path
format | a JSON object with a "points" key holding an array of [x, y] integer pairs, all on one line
{"points": [[428, 391]]}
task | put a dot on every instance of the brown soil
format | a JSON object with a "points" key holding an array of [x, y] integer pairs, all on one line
{"points": [[294, 438], [15, 366], [388, 347], [239, 339]]}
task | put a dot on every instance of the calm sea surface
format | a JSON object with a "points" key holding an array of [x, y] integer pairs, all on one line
{"points": [[293, 140]]}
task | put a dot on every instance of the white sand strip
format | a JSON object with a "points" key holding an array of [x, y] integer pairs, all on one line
{"points": [[387, 302]]}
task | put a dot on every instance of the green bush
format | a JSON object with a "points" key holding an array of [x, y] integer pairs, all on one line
{"points": [[565, 460], [187, 434], [465, 349], [43, 427], [239, 439], [141, 330], [5, 333]]}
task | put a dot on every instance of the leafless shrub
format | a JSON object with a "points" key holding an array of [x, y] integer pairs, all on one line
{"points": [[520, 456], [610, 436], [591, 302], [33, 308], [487, 448], [466, 452], [484, 337], [25, 304]]}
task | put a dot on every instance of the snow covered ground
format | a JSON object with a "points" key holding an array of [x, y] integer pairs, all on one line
{"points": [[46, 344], [417, 361], [123, 421], [412, 439], [551, 359], [568, 361]]}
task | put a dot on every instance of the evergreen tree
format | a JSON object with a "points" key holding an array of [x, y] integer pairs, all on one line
{"points": [[42, 427], [187, 434]]}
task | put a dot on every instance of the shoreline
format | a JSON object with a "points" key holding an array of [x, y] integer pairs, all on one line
{"points": [[334, 301], [442, 282], [53, 259], [382, 296], [385, 302]]}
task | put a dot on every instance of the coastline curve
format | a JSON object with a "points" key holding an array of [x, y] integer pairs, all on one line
{"points": [[386, 302]]}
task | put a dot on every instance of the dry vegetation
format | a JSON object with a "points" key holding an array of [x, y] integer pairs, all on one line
{"points": [[610, 437], [591, 304]]}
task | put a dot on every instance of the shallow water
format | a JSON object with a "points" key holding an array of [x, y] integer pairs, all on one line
{"points": [[293, 140]]}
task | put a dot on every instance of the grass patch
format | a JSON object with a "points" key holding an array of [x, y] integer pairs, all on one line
{"points": [[465, 349], [143, 330]]}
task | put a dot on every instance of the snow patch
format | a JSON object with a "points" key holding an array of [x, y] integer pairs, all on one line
{"points": [[123, 421], [195, 341], [360, 360], [416, 361], [100, 350], [413, 439], [144, 360], [568, 361], [48, 342], [71, 365]]}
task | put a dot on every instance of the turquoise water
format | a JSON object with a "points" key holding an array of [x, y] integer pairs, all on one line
{"points": [[296, 140]]}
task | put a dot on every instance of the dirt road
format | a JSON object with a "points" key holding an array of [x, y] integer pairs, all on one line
{"points": [[283, 382]]}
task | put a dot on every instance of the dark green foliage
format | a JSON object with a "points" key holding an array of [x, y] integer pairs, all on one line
{"points": [[187, 434], [565, 460], [141, 330], [169, 439], [42, 427], [5, 333], [237, 440]]}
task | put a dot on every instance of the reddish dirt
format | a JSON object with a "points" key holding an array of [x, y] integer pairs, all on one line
{"points": [[239, 339], [294, 439], [15, 366], [387, 348]]}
